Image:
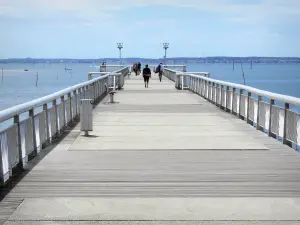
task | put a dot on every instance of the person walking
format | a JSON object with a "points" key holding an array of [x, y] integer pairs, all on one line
{"points": [[139, 67], [160, 70], [146, 75], [135, 69]]}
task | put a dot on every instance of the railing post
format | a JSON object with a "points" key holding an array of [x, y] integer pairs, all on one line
{"points": [[226, 99], [232, 101], [56, 117], [201, 88], [62, 99], [94, 89], [257, 119], [2, 177], [71, 114], [84, 91], [204, 86], [284, 140], [76, 102], [114, 83], [207, 90], [31, 115], [210, 91], [214, 97], [194, 83], [272, 102], [221, 96], [97, 90], [240, 101], [217, 93], [17, 122], [248, 107], [45, 109], [181, 82]]}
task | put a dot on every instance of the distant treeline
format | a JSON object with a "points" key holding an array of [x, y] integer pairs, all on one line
{"points": [[215, 59]]}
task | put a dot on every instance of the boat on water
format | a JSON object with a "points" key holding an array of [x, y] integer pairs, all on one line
{"points": [[25, 69]]}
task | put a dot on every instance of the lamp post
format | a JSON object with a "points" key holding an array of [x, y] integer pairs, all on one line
{"points": [[120, 46], [166, 46]]}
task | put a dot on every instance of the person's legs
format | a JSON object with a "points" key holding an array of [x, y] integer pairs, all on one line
{"points": [[148, 81], [160, 75], [145, 81]]}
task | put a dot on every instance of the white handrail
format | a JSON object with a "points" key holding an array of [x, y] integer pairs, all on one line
{"points": [[21, 108], [275, 96]]}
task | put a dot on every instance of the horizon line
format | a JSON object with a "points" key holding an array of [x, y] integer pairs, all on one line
{"points": [[154, 58]]}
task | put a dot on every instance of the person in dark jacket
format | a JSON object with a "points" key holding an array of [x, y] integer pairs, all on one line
{"points": [[135, 69], [146, 75], [139, 67]]}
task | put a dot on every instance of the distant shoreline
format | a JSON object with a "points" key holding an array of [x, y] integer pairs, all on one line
{"points": [[177, 60]]}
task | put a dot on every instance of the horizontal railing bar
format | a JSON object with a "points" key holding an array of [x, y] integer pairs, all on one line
{"points": [[196, 73], [91, 73], [19, 109], [170, 65], [267, 94], [112, 65], [174, 71]]}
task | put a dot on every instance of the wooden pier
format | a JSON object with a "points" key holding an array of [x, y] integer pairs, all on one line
{"points": [[159, 155]]}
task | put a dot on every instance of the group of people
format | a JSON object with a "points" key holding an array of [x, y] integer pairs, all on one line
{"points": [[147, 73], [136, 68]]}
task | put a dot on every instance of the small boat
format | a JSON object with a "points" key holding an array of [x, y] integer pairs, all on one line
{"points": [[26, 70]]}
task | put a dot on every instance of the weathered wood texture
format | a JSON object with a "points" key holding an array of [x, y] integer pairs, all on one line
{"points": [[163, 142]]}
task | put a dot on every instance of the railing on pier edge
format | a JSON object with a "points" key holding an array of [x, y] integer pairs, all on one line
{"points": [[268, 112], [111, 67], [25, 138]]}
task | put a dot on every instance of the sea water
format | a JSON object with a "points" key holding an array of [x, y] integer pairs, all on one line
{"points": [[18, 86]]}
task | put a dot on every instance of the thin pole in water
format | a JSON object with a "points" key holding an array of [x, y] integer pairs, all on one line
{"points": [[37, 78], [232, 65], [251, 65], [2, 76], [243, 75]]}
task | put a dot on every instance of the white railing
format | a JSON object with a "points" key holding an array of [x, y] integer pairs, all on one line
{"points": [[45, 119], [267, 111], [171, 67], [116, 78], [184, 80], [111, 68]]}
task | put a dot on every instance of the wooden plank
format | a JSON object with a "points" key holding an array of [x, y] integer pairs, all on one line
{"points": [[159, 115]]}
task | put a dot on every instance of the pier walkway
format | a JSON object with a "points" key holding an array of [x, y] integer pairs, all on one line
{"points": [[160, 156]]}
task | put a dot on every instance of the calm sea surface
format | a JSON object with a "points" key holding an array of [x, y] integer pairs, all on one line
{"points": [[19, 86]]}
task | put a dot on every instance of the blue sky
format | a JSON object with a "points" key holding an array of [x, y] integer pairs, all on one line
{"points": [[91, 28]]}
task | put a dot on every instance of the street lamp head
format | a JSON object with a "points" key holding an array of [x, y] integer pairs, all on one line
{"points": [[166, 45], [120, 45]]}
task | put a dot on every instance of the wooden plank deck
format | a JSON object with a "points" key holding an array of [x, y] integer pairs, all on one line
{"points": [[167, 145]]}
